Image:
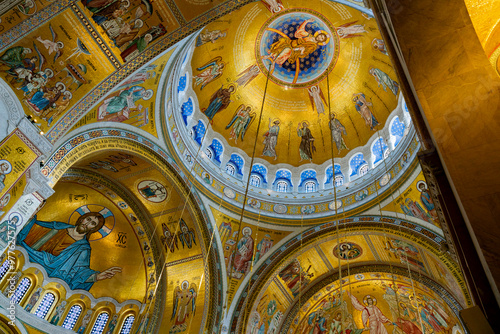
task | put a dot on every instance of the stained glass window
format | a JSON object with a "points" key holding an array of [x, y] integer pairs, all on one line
{"points": [[230, 169], [100, 323], [45, 305], [127, 325], [339, 180], [310, 186], [21, 290], [282, 186], [363, 170], [209, 153], [72, 317], [4, 268], [254, 180]]}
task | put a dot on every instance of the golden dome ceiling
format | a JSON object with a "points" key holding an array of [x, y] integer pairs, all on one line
{"points": [[297, 84], [319, 72]]}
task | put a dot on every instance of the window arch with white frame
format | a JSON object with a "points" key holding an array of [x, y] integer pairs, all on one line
{"points": [[4, 269], [255, 180], [363, 170], [310, 186], [283, 181], [282, 186], [230, 169], [209, 153]]}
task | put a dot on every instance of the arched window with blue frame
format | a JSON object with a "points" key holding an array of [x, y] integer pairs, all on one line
{"points": [[127, 325], [21, 290], [100, 323], [380, 151], [199, 131], [358, 166], [283, 181], [72, 317], [308, 181], [182, 83], [45, 305], [235, 166], [258, 177], [397, 130], [187, 110], [339, 177], [214, 151]]}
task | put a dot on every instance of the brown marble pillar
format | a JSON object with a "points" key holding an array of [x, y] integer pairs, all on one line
{"points": [[457, 98]]}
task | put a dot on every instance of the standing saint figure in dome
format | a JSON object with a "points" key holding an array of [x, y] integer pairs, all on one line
{"points": [[271, 139], [306, 147], [337, 130], [219, 101], [286, 49], [363, 108]]}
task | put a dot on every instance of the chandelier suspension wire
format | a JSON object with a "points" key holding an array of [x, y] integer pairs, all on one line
{"points": [[248, 184], [384, 160], [205, 260], [190, 184], [386, 238], [336, 220]]}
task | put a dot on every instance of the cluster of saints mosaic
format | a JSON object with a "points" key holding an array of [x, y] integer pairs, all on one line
{"points": [[392, 306]]}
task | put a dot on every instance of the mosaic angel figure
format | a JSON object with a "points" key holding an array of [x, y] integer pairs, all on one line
{"points": [[242, 119], [317, 99], [211, 71], [184, 306], [248, 75], [349, 30], [384, 80]]}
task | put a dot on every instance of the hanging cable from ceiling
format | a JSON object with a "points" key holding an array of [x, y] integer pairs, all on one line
{"points": [[242, 213]]}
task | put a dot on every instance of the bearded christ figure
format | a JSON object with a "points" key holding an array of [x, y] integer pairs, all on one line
{"points": [[286, 49]]}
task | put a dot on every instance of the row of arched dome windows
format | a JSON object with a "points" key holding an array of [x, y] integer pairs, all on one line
{"points": [[46, 304], [358, 166]]}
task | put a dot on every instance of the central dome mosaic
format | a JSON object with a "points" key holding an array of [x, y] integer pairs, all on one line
{"points": [[296, 82], [297, 48]]}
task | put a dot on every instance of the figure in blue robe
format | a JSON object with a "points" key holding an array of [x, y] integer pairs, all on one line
{"points": [[72, 264], [219, 101], [132, 95]]}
